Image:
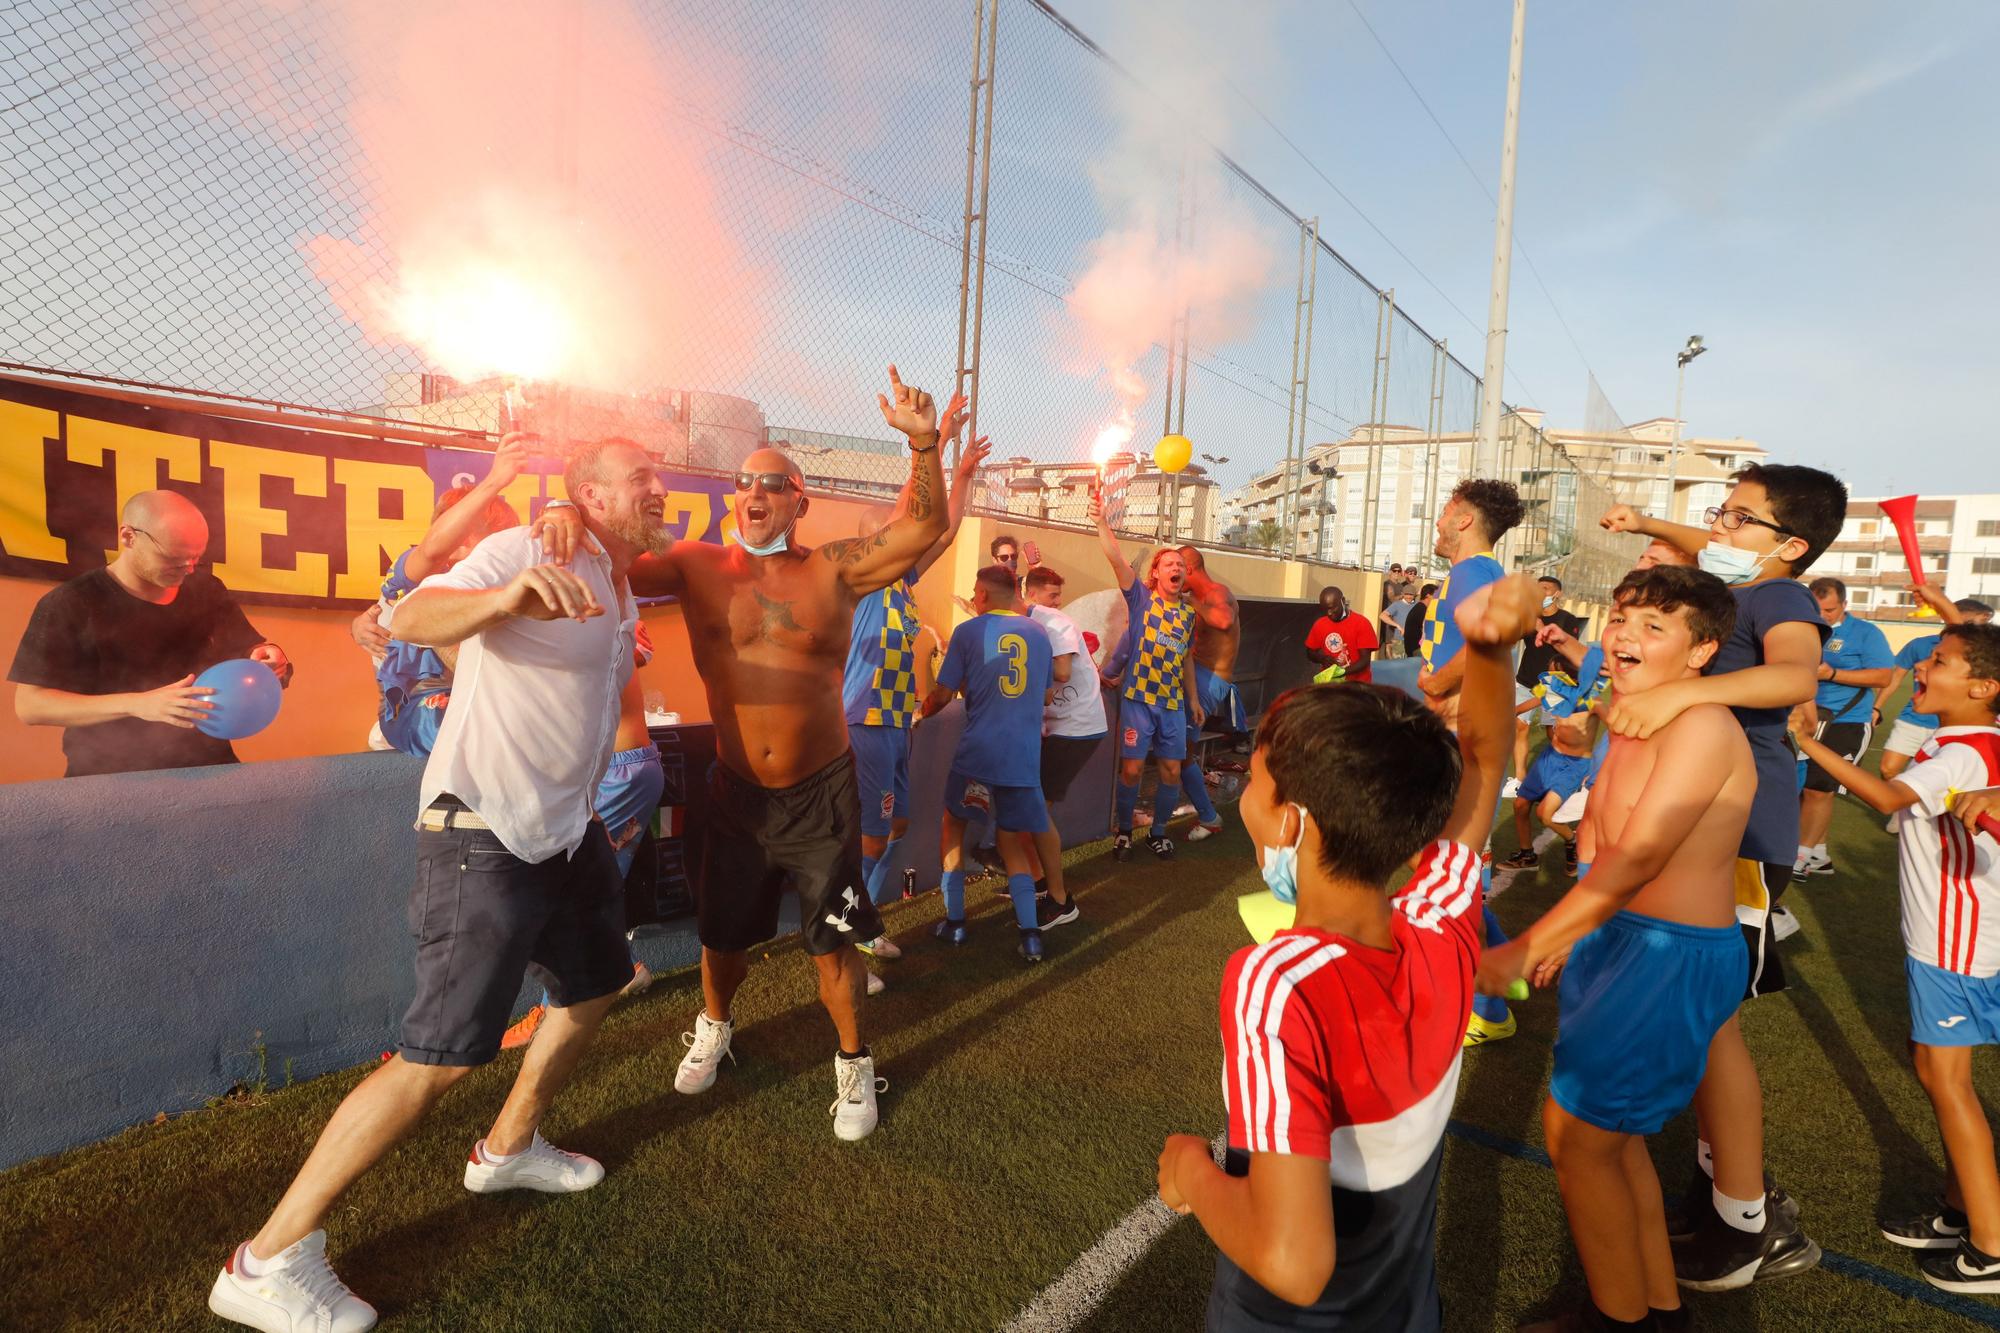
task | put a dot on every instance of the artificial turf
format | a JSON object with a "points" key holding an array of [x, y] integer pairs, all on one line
{"points": [[1024, 1115]]}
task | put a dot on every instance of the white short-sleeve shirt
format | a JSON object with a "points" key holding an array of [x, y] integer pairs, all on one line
{"points": [[1950, 876], [534, 705], [1078, 709]]}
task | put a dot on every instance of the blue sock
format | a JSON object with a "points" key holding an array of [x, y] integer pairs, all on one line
{"points": [[953, 887], [1196, 787], [1021, 888], [1165, 797], [1491, 1007], [875, 870], [1128, 801]]}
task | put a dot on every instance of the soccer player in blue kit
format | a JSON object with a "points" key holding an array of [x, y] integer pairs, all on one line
{"points": [[880, 688], [1001, 661], [1161, 700]]}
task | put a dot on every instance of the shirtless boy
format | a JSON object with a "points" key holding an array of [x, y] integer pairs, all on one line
{"points": [[1650, 931]]}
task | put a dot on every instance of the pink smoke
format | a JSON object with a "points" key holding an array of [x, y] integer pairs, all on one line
{"points": [[534, 203]]}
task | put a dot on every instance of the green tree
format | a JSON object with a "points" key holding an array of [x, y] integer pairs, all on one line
{"points": [[1267, 535]]}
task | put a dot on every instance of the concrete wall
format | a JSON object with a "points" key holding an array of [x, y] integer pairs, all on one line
{"points": [[168, 935]]}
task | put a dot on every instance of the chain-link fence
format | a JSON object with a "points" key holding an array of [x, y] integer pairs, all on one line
{"points": [[755, 207]]}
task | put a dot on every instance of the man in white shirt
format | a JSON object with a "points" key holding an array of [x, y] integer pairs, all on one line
{"points": [[513, 874], [1073, 727]]}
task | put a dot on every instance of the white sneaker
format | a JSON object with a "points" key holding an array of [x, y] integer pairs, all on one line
{"points": [[1510, 789], [641, 982], [707, 1044], [882, 947], [540, 1166], [1201, 831], [876, 985], [298, 1292], [855, 1085], [1783, 924]]}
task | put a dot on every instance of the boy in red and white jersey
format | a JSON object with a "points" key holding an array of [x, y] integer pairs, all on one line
{"points": [[1342, 1035], [1950, 874]]}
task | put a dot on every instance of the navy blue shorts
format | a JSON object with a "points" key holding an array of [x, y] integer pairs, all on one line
{"points": [[1641, 999], [881, 775], [1950, 1008], [1013, 809], [1555, 772], [1151, 731], [481, 916]]}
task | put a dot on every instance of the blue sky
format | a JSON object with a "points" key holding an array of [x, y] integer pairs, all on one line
{"points": [[1813, 188]]}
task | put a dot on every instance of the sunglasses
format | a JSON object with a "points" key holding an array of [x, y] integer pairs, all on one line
{"points": [[772, 482]]}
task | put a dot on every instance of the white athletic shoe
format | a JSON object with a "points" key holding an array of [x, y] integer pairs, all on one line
{"points": [[1783, 924], [707, 1044], [641, 982], [1201, 831], [298, 1293], [876, 985], [882, 947], [855, 1085], [1510, 789], [540, 1166]]}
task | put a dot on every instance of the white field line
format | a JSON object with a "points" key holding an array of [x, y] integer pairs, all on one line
{"points": [[1070, 1299]]}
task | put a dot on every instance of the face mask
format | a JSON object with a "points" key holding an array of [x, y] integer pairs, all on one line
{"points": [[1731, 564], [772, 547], [1548, 602], [1280, 865]]}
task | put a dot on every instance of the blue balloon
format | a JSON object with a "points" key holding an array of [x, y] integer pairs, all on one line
{"points": [[246, 698]]}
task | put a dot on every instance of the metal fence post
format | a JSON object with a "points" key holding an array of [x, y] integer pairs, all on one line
{"points": [[978, 177], [1378, 407]]}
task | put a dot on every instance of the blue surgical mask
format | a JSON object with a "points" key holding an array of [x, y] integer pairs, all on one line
{"points": [[1280, 865], [772, 547], [1731, 564], [1548, 602]]}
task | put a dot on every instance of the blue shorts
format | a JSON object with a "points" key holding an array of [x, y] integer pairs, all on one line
{"points": [[1014, 809], [1219, 700], [1640, 1001], [1950, 1008], [1556, 772], [413, 726], [627, 798], [1151, 730], [881, 775]]}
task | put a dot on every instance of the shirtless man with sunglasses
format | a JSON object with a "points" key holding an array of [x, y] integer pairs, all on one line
{"points": [[768, 622]]}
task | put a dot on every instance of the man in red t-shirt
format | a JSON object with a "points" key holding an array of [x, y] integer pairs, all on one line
{"points": [[1341, 636]]}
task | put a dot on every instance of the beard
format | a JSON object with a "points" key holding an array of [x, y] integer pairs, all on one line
{"points": [[635, 529]]}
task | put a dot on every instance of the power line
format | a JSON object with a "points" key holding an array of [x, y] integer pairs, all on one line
{"points": [[1478, 180]]}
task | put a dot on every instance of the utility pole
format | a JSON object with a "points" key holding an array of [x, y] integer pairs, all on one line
{"points": [[1486, 454]]}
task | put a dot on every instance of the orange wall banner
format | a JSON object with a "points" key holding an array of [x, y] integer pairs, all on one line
{"points": [[297, 516]]}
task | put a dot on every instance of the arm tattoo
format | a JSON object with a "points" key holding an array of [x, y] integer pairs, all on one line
{"points": [[921, 499], [852, 550], [777, 615]]}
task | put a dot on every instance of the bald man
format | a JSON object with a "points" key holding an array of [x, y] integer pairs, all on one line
{"points": [[768, 622], [111, 655]]}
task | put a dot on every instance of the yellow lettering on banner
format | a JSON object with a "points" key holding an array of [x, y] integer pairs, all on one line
{"points": [[24, 485], [246, 522], [521, 492], [698, 508], [137, 454], [370, 536]]}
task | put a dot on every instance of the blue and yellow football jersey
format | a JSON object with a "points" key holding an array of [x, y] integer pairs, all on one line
{"points": [[1161, 633], [1441, 640], [880, 688]]}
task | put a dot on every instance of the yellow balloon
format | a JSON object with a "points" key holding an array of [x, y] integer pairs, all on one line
{"points": [[1173, 452]]}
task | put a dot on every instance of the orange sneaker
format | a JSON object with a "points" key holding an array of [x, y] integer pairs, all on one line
{"points": [[523, 1031]]}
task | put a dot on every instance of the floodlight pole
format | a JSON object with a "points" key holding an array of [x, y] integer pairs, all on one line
{"points": [[1486, 453]]}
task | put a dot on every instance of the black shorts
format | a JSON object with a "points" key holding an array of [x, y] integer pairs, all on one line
{"points": [[759, 841], [1767, 974], [481, 916], [1849, 740], [1063, 757]]}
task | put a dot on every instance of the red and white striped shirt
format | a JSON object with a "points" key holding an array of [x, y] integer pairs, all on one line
{"points": [[1950, 876], [1335, 1050]]}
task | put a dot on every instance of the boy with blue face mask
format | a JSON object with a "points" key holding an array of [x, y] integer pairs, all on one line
{"points": [[1348, 783], [1774, 524]]}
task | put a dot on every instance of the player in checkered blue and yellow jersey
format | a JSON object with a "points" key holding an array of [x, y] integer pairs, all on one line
{"points": [[1159, 702], [888, 674]]}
